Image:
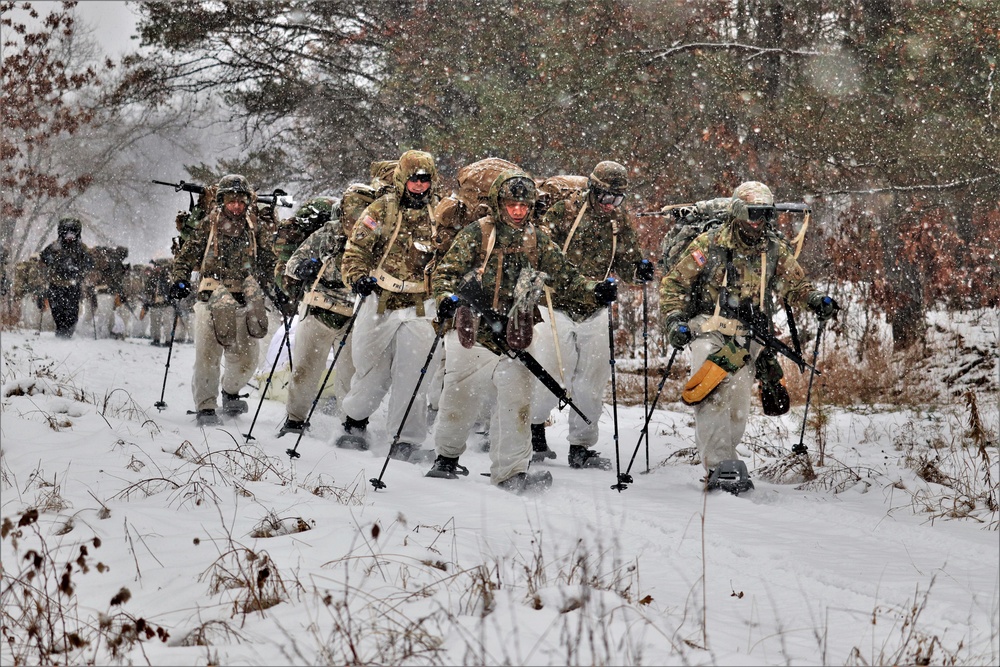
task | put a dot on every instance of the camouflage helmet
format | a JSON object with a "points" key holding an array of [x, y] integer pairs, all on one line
{"points": [[316, 212], [609, 176], [232, 184], [754, 193], [519, 189], [69, 226]]}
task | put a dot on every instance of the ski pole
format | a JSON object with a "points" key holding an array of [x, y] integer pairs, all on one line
{"points": [[801, 448], [626, 478], [614, 392], [645, 366], [377, 483], [160, 404], [267, 384], [293, 452]]}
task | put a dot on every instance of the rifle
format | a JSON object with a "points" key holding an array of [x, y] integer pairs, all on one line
{"points": [[471, 292], [784, 207], [761, 330], [276, 198], [191, 188]]}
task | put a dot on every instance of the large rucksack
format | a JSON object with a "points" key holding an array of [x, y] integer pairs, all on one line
{"points": [[691, 221], [558, 188], [471, 202]]}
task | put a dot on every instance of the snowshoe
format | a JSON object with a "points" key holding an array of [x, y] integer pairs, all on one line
{"points": [[207, 418], [730, 476], [354, 436], [539, 447], [406, 451], [446, 467], [526, 483], [582, 457], [233, 404], [293, 426], [156, 343]]}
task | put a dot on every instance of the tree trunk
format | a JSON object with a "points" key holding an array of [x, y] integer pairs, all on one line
{"points": [[907, 313]]}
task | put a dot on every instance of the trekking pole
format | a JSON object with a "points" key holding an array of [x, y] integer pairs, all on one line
{"points": [[626, 478], [645, 366], [293, 452], [377, 482], [160, 404], [248, 437], [614, 392], [801, 448]]}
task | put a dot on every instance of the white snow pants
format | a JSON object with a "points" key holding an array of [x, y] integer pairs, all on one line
{"points": [[240, 360], [310, 354], [472, 378], [388, 352], [161, 323], [585, 355], [721, 418]]}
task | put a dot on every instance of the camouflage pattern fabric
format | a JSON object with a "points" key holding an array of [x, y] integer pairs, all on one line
{"points": [[290, 235], [65, 265], [157, 283], [327, 244]]}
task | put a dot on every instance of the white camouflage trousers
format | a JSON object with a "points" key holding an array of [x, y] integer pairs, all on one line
{"points": [[310, 354], [472, 378], [585, 355], [388, 352], [721, 418], [161, 323], [240, 360]]}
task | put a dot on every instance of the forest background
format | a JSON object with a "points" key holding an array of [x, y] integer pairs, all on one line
{"points": [[881, 114]]}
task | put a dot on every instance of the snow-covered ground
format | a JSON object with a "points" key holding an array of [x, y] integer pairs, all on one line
{"points": [[232, 553]]}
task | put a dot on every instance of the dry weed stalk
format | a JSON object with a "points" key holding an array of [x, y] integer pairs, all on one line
{"points": [[253, 575]]}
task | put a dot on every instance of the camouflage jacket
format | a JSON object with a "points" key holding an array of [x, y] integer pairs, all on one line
{"points": [[157, 284], [64, 266], [288, 237], [692, 286], [327, 245], [228, 259], [29, 278]]}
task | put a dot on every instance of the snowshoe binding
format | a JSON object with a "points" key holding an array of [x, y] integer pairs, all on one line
{"points": [[233, 404], [207, 418], [539, 447], [582, 457], [406, 451], [527, 483], [293, 426], [354, 436], [446, 467], [730, 476]]}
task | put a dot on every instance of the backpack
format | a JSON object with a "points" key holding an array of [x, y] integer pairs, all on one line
{"points": [[471, 202], [557, 188], [691, 221], [358, 196]]}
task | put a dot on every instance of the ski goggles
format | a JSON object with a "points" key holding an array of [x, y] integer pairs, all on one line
{"points": [[761, 213], [608, 198], [420, 178]]}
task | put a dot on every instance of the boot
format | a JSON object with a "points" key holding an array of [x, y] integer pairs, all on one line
{"points": [[539, 447], [155, 343], [354, 434], [731, 476], [581, 457], [526, 483], [207, 418], [293, 426], [446, 467], [232, 404]]}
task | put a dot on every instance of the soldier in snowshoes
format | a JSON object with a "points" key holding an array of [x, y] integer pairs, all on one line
{"points": [[390, 253], [593, 230], [66, 263], [156, 301], [312, 274], [487, 259], [233, 257], [724, 276]]}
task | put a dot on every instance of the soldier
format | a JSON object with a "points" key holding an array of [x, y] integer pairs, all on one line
{"points": [[390, 250], [313, 270], [719, 277], [233, 256], [30, 291], [107, 294], [291, 233], [156, 302], [593, 230], [66, 262], [492, 253]]}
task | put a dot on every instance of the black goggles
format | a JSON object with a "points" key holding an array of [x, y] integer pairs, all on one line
{"points": [[609, 198], [759, 213], [420, 178]]}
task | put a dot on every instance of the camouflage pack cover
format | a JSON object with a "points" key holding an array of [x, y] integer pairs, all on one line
{"points": [[475, 180], [558, 188], [692, 221]]}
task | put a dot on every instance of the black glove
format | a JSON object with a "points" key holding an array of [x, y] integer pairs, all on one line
{"points": [[824, 306], [308, 270], [606, 292], [644, 270], [446, 309], [679, 334], [286, 306], [364, 286], [179, 291]]}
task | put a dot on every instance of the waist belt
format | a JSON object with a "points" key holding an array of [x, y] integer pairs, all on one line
{"points": [[393, 284], [724, 325], [325, 302], [209, 284]]}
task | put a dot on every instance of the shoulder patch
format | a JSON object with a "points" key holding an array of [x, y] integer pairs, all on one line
{"points": [[699, 257], [369, 222]]}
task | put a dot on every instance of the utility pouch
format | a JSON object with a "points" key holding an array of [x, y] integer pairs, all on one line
{"points": [[256, 314], [224, 309], [719, 365], [466, 325], [774, 398]]}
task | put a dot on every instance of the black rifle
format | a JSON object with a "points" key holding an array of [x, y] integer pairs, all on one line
{"points": [[761, 330], [471, 292], [276, 198], [784, 207], [191, 188]]}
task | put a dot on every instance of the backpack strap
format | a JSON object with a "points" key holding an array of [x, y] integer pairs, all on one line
{"points": [[489, 233], [576, 223], [392, 210]]}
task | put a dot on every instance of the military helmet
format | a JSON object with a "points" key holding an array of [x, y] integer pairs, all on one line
{"points": [[519, 188], [754, 193], [316, 212], [610, 177], [232, 184], [69, 225]]}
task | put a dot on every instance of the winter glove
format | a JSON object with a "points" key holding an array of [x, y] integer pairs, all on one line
{"points": [[679, 334], [308, 270], [179, 291], [606, 292], [364, 286], [286, 306], [446, 309], [824, 306], [644, 270]]}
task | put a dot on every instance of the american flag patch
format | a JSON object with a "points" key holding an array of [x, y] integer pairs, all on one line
{"points": [[370, 222], [699, 257]]}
